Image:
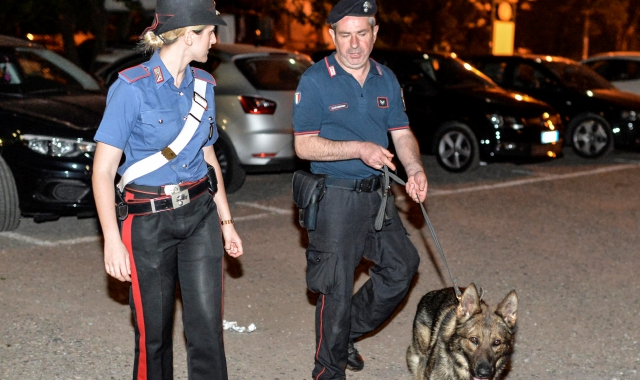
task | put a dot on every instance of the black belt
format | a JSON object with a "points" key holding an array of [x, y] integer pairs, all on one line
{"points": [[367, 185], [178, 198]]}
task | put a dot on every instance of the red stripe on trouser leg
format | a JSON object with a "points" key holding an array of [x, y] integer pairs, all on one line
{"points": [[320, 340], [137, 300]]}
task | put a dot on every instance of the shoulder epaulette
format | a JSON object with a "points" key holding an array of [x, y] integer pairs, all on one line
{"points": [[203, 75], [134, 73]]}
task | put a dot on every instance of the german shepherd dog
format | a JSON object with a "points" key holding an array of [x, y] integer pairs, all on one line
{"points": [[465, 340]]}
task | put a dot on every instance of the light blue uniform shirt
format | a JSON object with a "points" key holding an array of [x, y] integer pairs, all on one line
{"points": [[146, 112]]}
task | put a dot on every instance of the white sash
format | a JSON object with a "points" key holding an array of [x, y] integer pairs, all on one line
{"points": [[159, 159]]}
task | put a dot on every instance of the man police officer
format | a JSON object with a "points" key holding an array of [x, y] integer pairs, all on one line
{"points": [[344, 109]]}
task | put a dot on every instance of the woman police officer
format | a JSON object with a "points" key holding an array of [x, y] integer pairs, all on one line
{"points": [[167, 227]]}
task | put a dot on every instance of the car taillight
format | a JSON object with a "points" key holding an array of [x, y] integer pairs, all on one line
{"points": [[257, 106]]}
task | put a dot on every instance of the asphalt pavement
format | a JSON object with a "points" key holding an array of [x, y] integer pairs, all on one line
{"points": [[564, 234]]}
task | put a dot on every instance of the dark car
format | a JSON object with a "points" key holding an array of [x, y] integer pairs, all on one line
{"points": [[254, 101], [597, 115], [49, 112], [461, 116]]}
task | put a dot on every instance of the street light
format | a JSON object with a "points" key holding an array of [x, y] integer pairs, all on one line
{"points": [[503, 17]]}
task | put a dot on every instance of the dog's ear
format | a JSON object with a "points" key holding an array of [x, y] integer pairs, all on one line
{"points": [[469, 303], [508, 308]]}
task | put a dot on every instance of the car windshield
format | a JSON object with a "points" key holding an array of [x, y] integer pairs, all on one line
{"points": [[577, 76], [452, 72], [34, 71], [273, 72]]}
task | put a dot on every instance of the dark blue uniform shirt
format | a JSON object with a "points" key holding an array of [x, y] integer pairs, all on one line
{"points": [[331, 103], [146, 112]]}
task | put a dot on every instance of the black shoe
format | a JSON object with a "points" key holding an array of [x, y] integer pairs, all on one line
{"points": [[355, 362]]}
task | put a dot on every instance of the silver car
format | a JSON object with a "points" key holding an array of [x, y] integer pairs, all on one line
{"points": [[621, 68], [254, 100]]}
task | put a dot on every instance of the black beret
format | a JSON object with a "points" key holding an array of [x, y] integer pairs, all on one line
{"points": [[361, 8]]}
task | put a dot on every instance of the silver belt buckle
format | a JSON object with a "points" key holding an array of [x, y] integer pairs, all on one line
{"points": [[178, 198]]}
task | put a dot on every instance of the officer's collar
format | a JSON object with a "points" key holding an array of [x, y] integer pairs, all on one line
{"points": [[161, 74], [334, 68]]}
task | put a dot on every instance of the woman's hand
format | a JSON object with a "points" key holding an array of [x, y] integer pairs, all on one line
{"points": [[116, 260], [232, 242]]}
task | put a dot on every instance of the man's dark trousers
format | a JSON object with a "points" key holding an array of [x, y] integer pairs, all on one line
{"points": [[345, 233]]}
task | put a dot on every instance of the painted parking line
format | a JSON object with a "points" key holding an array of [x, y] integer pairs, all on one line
{"points": [[276, 210], [89, 239], [47, 243], [539, 177]]}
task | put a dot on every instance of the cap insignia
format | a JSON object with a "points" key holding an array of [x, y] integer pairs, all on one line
{"points": [[366, 6]]}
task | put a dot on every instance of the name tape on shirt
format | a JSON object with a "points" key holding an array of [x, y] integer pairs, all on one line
{"points": [[338, 107]]}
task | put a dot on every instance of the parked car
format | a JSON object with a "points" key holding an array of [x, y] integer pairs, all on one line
{"points": [[597, 115], [254, 100], [461, 116], [49, 112], [621, 68]]}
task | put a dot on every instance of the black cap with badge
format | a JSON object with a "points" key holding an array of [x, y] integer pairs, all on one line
{"points": [[361, 8], [174, 14]]}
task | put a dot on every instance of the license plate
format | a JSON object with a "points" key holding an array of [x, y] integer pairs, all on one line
{"points": [[549, 137]]}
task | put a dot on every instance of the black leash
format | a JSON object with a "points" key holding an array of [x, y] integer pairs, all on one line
{"points": [[385, 193]]}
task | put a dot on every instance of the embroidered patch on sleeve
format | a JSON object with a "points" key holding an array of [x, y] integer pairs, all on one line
{"points": [[404, 105], [383, 102], [297, 97]]}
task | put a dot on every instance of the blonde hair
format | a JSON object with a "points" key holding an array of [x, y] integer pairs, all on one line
{"points": [[151, 42]]}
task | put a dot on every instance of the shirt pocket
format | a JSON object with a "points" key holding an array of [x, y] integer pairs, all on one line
{"points": [[160, 127]]}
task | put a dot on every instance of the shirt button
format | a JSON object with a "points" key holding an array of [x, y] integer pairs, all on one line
{"points": [[184, 166], [160, 121], [184, 118], [181, 93]]}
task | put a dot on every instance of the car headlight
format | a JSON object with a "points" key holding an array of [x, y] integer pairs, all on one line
{"points": [[58, 147], [629, 115], [496, 120], [499, 121]]}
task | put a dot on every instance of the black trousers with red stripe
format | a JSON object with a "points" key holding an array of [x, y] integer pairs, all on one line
{"points": [[178, 246], [345, 233]]}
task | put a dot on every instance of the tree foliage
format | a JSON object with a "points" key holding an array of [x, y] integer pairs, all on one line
{"points": [[463, 26], [550, 28]]}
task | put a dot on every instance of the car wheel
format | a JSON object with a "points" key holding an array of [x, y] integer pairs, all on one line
{"points": [[590, 136], [9, 206], [456, 147], [232, 173]]}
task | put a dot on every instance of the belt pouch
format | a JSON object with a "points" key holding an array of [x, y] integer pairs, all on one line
{"points": [[308, 189], [122, 210]]}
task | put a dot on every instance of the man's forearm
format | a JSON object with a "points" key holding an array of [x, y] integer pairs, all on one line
{"points": [[316, 148], [408, 153]]}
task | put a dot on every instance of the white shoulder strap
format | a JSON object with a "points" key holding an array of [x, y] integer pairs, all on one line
{"points": [[159, 159]]}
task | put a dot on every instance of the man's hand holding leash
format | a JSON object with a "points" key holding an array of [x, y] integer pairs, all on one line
{"points": [[417, 186]]}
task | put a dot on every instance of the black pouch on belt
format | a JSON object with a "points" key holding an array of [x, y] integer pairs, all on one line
{"points": [[122, 210], [308, 189]]}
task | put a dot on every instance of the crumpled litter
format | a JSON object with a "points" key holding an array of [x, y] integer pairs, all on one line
{"points": [[233, 326]]}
